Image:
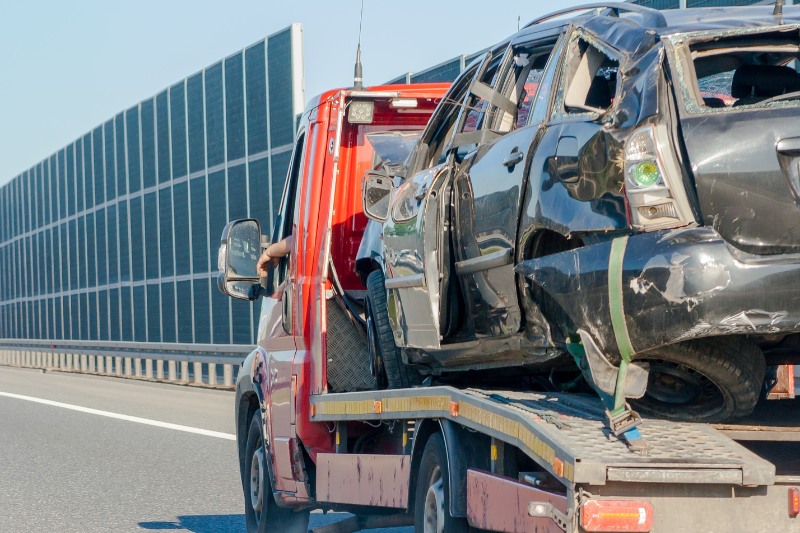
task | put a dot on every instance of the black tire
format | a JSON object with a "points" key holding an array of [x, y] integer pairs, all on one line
{"points": [[434, 468], [270, 518], [398, 374], [703, 380]]}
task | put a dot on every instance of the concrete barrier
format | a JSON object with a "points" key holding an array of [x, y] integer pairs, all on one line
{"points": [[203, 370]]}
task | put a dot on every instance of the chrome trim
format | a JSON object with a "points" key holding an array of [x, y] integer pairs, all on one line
{"points": [[484, 262], [405, 282]]}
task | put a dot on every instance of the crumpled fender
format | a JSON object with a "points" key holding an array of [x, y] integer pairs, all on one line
{"points": [[676, 285]]}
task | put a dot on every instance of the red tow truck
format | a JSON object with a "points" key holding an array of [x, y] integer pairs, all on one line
{"points": [[315, 431]]}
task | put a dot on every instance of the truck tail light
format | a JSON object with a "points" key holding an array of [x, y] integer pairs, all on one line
{"points": [[794, 502], [617, 515], [653, 182]]}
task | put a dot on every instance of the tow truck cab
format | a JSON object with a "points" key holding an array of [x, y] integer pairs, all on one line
{"points": [[296, 355]]}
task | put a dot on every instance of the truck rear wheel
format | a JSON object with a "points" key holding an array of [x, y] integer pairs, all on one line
{"points": [[262, 514], [703, 380], [398, 374], [431, 508]]}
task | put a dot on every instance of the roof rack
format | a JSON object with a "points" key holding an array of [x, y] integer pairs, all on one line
{"points": [[652, 17]]}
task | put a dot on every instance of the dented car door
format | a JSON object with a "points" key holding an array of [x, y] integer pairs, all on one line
{"points": [[489, 185]]}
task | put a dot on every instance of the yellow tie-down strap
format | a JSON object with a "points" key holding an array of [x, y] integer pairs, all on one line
{"points": [[445, 407]]}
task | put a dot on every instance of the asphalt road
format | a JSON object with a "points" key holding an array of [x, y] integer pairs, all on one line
{"points": [[69, 471]]}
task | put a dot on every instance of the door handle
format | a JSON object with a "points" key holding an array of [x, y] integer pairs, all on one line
{"points": [[514, 158], [790, 146]]}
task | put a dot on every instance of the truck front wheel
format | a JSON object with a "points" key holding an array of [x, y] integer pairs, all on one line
{"points": [[262, 514], [431, 509]]}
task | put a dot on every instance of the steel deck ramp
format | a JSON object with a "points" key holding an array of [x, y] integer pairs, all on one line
{"points": [[564, 433]]}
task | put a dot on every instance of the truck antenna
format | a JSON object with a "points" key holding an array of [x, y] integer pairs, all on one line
{"points": [[358, 79], [778, 8]]}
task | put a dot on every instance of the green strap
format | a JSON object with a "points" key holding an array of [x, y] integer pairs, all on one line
{"points": [[626, 351], [615, 298]]}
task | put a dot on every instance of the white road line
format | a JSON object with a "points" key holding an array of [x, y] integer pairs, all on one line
{"points": [[118, 416]]}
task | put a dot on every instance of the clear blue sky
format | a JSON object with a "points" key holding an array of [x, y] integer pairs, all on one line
{"points": [[65, 67]]}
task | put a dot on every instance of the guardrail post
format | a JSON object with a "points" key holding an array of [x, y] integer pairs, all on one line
{"points": [[212, 373], [128, 366], [70, 361], [148, 368], [173, 370], [185, 371], [137, 367], [101, 364], [227, 375], [84, 362], [92, 363], [118, 365], [159, 369], [198, 372], [109, 364]]}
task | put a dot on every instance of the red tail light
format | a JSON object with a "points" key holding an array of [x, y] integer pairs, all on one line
{"points": [[617, 515], [794, 502]]}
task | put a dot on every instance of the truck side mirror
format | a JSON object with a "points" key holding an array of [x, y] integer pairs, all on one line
{"points": [[376, 195], [240, 248]]}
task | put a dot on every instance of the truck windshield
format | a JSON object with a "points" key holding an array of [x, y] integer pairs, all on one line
{"points": [[392, 147]]}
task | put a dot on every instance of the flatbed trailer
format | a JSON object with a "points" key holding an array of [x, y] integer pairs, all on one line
{"points": [[576, 476]]}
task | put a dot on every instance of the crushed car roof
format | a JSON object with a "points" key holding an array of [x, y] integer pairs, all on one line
{"points": [[678, 20]]}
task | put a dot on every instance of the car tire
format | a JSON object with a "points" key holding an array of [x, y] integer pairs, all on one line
{"points": [[703, 380], [398, 374], [431, 506], [262, 513]]}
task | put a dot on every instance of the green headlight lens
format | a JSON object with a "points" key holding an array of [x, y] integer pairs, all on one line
{"points": [[645, 174]]}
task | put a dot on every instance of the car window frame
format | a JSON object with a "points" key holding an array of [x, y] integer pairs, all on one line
{"points": [[286, 223], [558, 112], [421, 158]]}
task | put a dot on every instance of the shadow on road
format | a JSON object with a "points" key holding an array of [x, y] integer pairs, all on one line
{"points": [[201, 524]]}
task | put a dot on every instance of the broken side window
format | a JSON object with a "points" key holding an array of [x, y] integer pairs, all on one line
{"points": [[745, 70], [476, 106], [520, 82], [446, 117], [591, 79]]}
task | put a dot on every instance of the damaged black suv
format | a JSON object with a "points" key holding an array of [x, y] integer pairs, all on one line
{"points": [[619, 189]]}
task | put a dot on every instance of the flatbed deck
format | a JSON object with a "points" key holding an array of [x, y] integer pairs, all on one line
{"points": [[565, 433]]}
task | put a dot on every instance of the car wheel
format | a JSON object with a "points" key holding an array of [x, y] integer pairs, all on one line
{"points": [[703, 380], [382, 346], [431, 509], [262, 514]]}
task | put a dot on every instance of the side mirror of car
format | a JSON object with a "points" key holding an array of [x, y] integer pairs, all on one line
{"points": [[240, 248], [377, 195]]}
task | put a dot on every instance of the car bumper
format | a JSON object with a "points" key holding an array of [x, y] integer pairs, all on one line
{"points": [[676, 285]]}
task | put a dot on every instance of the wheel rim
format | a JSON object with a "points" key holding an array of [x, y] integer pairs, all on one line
{"points": [[674, 386], [434, 503], [257, 481]]}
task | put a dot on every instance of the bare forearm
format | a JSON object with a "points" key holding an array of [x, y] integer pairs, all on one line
{"points": [[281, 248]]}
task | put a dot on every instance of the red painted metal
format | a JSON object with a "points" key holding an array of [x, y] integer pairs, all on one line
{"points": [[784, 388], [499, 503], [375, 480]]}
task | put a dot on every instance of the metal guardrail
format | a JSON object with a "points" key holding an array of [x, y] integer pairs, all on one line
{"points": [[149, 361]]}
